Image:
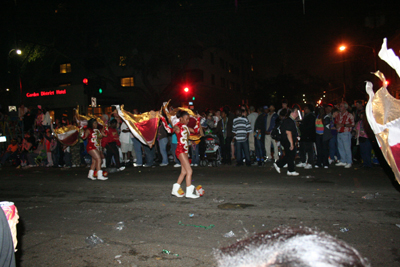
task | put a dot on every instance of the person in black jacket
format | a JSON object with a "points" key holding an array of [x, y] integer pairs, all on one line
{"points": [[288, 141], [225, 135], [307, 138], [260, 130]]}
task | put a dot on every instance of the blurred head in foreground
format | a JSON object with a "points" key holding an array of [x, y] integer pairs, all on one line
{"points": [[290, 247]]}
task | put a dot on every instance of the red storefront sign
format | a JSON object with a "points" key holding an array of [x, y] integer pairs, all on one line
{"points": [[47, 93]]}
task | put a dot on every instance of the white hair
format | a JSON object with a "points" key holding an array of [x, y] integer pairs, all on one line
{"points": [[290, 247]]}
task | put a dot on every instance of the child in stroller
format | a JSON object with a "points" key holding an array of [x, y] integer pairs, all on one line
{"points": [[212, 155]]}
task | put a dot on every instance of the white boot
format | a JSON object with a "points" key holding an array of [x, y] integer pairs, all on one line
{"points": [[103, 164], [177, 190], [100, 176], [189, 192], [90, 175]]}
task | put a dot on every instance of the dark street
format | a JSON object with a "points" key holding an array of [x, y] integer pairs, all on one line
{"points": [[137, 218]]}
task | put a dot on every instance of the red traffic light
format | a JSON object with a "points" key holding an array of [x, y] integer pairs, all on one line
{"points": [[85, 81], [186, 89]]}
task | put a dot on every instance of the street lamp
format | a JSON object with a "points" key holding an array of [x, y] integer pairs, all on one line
{"points": [[19, 53], [342, 48]]}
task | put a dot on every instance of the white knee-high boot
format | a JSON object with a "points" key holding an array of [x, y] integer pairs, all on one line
{"points": [[103, 164], [189, 192], [177, 190], [100, 176], [90, 175]]}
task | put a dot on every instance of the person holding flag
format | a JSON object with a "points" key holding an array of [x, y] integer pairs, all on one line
{"points": [[182, 132]]}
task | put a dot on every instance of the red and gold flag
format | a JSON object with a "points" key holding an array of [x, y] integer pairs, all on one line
{"points": [[83, 119], [67, 135], [143, 126]]}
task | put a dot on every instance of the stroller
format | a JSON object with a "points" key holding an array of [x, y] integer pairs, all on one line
{"points": [[212, 155]]}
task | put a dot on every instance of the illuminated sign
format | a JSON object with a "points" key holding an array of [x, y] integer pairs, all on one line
{"points": [[47, 93]]}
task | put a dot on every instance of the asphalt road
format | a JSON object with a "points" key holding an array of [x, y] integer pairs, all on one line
{"points": [[60, 209]]}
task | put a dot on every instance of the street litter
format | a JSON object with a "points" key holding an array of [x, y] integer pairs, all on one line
{"points": [[371, 196], [307, 176], [112, 170], [164, 251], [233, 206], [230, 234], [191, 215], [398, 225], [118, 256], [93, 240], [119, 226], [344, 229], [198, 226], [218, 200]]}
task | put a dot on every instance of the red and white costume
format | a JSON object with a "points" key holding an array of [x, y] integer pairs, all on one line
{"points": [[182, 136], [93, 138]]}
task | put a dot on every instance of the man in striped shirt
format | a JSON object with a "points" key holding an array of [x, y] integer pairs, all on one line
{"points": [[241, 129]]}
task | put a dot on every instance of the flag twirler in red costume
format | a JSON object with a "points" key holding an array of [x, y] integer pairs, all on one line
{"points": [[383, 114], [143, 126], [194, 123]]}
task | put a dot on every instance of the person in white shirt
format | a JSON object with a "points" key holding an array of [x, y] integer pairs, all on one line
{"points": [[126, 142], [46, 119], [252, 117]]}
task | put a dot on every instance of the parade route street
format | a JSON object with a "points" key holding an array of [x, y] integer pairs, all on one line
{"points": [[60, 209]]}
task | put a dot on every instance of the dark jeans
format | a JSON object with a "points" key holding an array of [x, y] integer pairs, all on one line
{"points": [[202, 147], [8, 155], [242, 148], [24, 156], [288, 158], [82, 153], [306, 148], [365, 150], [195, 154], [149, 154], [333, 148], [322, 150], [67, 159], [59, 155], [226, 150], [137, 146], [260, 149], [112, 150]]}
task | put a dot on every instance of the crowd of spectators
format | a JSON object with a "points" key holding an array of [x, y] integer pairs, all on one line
{"points": [[318, 136]]}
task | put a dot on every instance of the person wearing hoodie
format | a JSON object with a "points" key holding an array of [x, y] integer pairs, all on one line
{"points": [[270, 124], [307, 138]]}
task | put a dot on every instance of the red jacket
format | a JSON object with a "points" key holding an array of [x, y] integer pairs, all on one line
{"points": [[112, 136]]}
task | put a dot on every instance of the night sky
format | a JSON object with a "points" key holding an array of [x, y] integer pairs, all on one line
{"points": [[286, 36]]}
